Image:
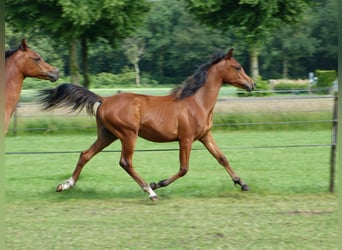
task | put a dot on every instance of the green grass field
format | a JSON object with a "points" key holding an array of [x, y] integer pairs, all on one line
{"points": [[288, 207]]}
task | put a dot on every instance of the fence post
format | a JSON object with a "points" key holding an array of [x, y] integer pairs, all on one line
{"points": [[333, 147]]}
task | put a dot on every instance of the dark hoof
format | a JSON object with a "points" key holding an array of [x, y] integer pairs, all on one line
{"points": [[59, 188], [244, 187], [153, 185]]}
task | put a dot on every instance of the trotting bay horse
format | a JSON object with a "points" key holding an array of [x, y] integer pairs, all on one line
{"points": [[20, 63], [185, 115]]}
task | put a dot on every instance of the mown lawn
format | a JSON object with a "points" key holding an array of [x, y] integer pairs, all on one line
{"points": [[288, 206]]}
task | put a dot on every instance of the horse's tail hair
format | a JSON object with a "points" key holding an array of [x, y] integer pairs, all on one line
{"points": [[71, 96]]}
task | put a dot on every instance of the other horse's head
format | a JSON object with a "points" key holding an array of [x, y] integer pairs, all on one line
{"points": [[31, 64], [234, 74]]}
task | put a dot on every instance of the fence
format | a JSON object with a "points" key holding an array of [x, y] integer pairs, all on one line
{"points": [[265, 107]]}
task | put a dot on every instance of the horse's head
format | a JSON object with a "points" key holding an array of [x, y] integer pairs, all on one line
{"points": [[234, 74], [33, 65]]}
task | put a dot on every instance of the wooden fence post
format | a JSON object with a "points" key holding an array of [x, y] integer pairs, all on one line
{"points": [[333, 147]]}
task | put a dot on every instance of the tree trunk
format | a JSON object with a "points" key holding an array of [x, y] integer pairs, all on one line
{"points": [[85, 68], [137, 74], [254, 63], [74, 69], [285, 67], [160, 63]]}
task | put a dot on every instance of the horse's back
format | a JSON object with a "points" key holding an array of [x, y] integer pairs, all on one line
{"points": [[154, 118]]}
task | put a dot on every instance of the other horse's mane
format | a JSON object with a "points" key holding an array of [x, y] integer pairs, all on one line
{"points": [[10, 52], [197, 80]]}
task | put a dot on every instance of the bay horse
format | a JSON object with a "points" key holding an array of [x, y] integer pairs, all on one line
{"points": [[185, 115], [20, 63]]}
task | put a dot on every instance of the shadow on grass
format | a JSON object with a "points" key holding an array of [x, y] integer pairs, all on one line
{"points": [[90, 194], [136, 195]]}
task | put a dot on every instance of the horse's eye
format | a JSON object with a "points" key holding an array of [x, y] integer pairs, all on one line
{"points": [[37, 59], [238, 68]]}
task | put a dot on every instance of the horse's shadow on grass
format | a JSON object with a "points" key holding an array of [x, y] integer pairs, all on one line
{"points": [[90, 194], [87, 193]]}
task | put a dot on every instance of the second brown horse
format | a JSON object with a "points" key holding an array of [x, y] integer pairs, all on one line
{"points": [[185, 116], [21, 63]]}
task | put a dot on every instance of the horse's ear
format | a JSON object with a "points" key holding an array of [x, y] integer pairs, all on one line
{"points": [[23, 45], [229, 53]]}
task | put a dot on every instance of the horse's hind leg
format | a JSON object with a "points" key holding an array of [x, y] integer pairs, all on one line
{"points": [[210, 144], [103, 140]]}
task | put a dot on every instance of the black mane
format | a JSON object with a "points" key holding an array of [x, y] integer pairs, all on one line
{"points": [[10, 52], [197, 80]]}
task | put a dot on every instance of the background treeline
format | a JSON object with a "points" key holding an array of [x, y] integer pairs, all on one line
{"points": [[162, 41]]}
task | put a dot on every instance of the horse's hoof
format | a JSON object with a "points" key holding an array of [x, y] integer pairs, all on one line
{"points": [[153, 185], [59, 188], [244, 187], [153, 198]]}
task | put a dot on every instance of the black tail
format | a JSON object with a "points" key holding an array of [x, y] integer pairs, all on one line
{"points": [[69, 95]]}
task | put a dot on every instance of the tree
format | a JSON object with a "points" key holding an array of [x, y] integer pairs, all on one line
{"points": [[134, 49], [297, 49], [176, 43], [254, 20], [325, 29], [289, 46], [75, 21]]}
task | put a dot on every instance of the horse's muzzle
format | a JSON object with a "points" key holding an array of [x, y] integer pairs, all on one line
{"points": [[53, 75], [250, 86]]}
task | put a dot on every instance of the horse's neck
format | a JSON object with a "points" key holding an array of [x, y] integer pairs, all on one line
{"points": [[207, 95], [13, 84]]}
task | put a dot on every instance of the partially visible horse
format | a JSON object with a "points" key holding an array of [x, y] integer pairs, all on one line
{"points": [[20, 63], [185, 115]]}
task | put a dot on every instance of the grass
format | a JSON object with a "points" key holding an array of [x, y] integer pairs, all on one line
{"points": [[73, 124], [288, 206]]}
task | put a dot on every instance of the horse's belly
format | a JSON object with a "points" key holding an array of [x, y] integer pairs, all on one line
{"points": [[158, 134]]}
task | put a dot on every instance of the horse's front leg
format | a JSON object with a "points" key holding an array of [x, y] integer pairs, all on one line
{"points": [[184, 156], [126, 162], [212, 147]]}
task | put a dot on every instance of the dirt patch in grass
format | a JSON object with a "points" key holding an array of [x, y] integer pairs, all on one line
{"points": [[275, 105]]}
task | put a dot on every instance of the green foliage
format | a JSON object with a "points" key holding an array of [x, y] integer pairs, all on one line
{"points": [[325, 79], [291, 88], [112, 19], [71, 21], [252, 17], [176, 43], [108, 80]]}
